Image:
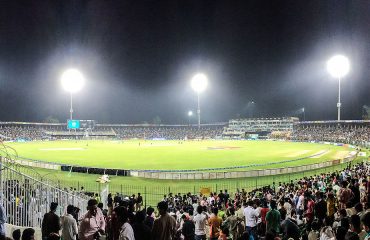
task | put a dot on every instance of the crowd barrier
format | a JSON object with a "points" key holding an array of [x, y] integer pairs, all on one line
{"points": [[202, 174], [27, 198], [241, 174]]}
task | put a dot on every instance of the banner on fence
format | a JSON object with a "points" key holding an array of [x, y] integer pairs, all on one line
{"points": [[205, 191]]}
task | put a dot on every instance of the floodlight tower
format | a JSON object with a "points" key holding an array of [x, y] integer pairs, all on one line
{"points": [[190, 113], [72, 82], [338, 67], [199, 83]]}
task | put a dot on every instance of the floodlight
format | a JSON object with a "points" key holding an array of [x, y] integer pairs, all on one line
{"points": [[338, 66], [199, 82], [72, 80], [190, 113]]}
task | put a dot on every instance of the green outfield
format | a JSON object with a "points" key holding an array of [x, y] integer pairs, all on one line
{"points": [[176, 155]]}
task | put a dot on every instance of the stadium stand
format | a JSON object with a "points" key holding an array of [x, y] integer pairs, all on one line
{"points": [[330, 205], [356, 133], [39, 131]]}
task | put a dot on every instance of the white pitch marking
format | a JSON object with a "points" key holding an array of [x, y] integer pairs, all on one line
{"points": [[62, 149], [320, 153]]}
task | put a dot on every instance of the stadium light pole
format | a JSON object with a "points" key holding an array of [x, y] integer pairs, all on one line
{"points": [[252, 108], [199, 83], [190, 113], [72, 81], [338, 67]]}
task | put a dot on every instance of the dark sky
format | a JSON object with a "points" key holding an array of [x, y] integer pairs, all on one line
{"points": [[138, 58]]}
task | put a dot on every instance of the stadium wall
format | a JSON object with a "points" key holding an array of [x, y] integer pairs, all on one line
{"points": [[190, 175], [240, 174]]}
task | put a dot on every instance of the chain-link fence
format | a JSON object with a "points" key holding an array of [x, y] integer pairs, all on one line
{"points": [[153, 194]]}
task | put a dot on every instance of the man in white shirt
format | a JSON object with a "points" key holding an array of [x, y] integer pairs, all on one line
{"points": [[200, 221], [69, 225], [251, 216]]}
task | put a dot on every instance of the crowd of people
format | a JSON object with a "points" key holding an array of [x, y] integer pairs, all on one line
{"points": [[327, 206], [351, 134], [169, 133], [343, 133], [28, 133], [25, 133]]}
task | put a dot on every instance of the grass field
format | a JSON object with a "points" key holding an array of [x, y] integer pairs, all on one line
{"points": [[175, 155]]}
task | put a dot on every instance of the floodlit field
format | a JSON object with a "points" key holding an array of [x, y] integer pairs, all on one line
{"points": [[176, 155]]}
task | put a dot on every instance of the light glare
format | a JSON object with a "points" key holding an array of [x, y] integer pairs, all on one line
{"points": [[199, 82], [72, 80], [338, 66]]}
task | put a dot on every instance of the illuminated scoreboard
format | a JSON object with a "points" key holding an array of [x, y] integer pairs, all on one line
{"points": [[73, 124], [81, 124]]}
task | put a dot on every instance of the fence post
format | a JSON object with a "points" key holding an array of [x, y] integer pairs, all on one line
{"points": [[169, 190], [121, 189], [216, 188], [145, 196], [194, 190], [256, 182]]}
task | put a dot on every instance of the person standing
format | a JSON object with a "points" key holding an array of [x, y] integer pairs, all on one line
{"points": [[232, 223], [273, 219], [251, 216], [92, 224], [200, 221], [321, 207], [126, 231], [214, 223], [164, 227], [69, 225], [141, 230], [139, 202], [51, 223]]}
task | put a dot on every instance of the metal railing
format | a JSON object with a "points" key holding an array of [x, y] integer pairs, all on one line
{"points": [[153, 194], [26, 197]]}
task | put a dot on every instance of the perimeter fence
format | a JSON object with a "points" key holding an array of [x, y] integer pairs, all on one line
{"points": [[153, 194]]}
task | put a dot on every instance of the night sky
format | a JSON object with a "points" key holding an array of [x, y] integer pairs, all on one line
{"points": [[138, 58]]}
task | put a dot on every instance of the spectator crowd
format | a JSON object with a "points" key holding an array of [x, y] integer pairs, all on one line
{"points": [[325, 206], [346, 133], [25, 133], [169, 133], [29, 133]]}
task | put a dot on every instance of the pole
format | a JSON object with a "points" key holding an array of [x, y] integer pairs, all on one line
{"points": [[71, 110], [198, 111], [339, 104], [304, 115]]}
